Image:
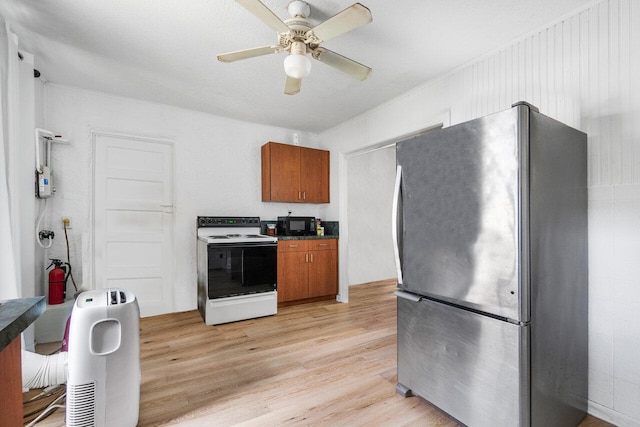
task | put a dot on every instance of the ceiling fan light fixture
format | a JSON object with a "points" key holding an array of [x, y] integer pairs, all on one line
{"points": [[301, 39], [297, 66]]}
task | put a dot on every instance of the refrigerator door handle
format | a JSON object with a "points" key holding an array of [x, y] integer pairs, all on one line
{"points": [[395, 225], [408, 296]]}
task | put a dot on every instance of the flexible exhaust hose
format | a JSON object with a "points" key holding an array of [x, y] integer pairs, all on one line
{"points": [[40, 371]]}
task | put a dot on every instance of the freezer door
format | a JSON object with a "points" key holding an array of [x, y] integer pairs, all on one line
{"points": [[461, 213], [474, 367]]}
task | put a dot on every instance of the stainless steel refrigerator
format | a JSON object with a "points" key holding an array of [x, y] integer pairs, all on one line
{"points": [[490, 231]]}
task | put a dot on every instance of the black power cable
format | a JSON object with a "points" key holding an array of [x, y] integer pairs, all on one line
{"points": [[66, 237]]}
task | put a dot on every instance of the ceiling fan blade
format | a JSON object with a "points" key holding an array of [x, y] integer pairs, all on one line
{"points": [[292, 86], [265, 15], [350, 18], [247, 53], [341, 63]]}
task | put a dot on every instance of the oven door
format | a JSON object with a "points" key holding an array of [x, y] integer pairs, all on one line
{"points": [[241, 268]]}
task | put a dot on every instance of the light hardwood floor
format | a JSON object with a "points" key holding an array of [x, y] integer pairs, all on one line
{"points": [[320, 364]]}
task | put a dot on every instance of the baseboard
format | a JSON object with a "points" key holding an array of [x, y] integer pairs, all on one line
{"points": [[611, 416]]}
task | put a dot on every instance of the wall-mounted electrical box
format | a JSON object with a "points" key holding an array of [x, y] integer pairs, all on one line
{"points": [[44, 183], [44, 173]]}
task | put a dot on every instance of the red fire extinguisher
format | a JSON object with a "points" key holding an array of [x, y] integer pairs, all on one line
{"points": [[58, 281]]}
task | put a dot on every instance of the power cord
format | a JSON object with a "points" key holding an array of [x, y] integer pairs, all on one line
{"points": [[65, 222], [52, 407]]}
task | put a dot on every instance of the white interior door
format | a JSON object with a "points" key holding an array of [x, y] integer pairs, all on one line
{"points": [[133, 218]]}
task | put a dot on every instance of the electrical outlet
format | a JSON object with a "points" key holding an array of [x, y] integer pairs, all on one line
{"points": [[66, 220]]}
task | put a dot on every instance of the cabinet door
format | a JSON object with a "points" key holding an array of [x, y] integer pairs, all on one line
{"points": [[293, 276], [323, 273], [314, 175], [281, 173]]}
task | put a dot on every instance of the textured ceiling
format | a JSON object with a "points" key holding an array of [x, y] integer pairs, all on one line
{"points": [[165, 51]]}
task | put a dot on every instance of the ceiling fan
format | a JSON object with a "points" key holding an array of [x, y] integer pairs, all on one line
{"points": [[297, 36]]}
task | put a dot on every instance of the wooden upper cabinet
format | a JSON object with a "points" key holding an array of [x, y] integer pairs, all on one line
{"points": [[314, 175], [294, 174]]}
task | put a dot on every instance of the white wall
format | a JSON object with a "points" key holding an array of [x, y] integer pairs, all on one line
{"points": [[370, 192], [583, 71], [217, 170]]}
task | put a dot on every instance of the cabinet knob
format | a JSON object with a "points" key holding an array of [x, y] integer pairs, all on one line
{"points": [[306, 257]]}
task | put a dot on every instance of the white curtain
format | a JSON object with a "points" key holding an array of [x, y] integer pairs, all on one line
{"points": [[9, 273]]}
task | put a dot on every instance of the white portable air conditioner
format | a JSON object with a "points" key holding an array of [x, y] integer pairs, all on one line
{"points": [[103, 387]]}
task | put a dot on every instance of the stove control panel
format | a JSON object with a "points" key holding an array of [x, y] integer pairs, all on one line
{"points": [[228, 221]]}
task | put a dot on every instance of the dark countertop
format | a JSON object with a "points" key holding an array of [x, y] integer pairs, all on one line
{"points": [[307, 237], [16, 315], [331, 231]]}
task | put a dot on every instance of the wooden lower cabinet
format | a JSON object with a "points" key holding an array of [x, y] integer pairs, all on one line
{"points": [[11, 380], [307, 270]]}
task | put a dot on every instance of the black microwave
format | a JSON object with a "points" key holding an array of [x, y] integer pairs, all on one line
{"points": [[296, 225]]}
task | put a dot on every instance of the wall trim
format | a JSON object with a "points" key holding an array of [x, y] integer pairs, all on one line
{"points": [[607, 414]]}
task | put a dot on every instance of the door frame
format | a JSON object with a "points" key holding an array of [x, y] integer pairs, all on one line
{"points": [[92, 215], [439, 121]]}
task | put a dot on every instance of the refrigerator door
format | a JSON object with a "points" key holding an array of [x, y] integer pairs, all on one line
{"points": [[474, 367], [462, 190]]}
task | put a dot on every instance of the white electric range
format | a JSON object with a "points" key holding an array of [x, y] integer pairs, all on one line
{"points": [[237, 269]]}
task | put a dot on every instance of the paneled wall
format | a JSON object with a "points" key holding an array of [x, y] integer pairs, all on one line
{"points": [[583, 70]]}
